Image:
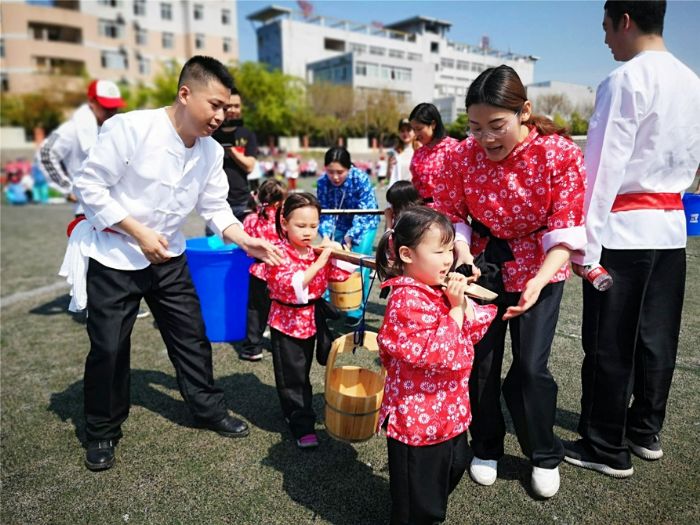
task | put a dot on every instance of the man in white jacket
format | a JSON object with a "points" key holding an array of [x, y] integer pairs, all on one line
{"points": [[642, 151], [145, 174]]}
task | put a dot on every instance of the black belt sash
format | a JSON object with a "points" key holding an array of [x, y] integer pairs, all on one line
{"points": [[323, 311], [490, 261]]}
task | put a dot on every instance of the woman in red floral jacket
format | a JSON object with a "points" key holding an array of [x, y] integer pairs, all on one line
{"points": [[520, 183], [262, 226], [426, 346], [429, 160], [296, 288]]}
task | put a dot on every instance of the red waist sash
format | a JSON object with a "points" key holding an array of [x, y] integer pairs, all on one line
{"points": [[78, 219], [647, 201]]}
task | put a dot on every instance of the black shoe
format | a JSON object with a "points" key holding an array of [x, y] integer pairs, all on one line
{"points": [[100, 455], [250, 356], [577, 453], [229, 427], [650, 452]]}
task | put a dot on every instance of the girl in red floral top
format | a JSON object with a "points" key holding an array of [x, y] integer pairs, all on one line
{"points": [[429, 160], [426, 346], [519, 182], [260, 225], [296, 288]]}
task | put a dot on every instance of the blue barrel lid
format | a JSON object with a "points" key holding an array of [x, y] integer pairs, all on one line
{"points": [[209, 244]]}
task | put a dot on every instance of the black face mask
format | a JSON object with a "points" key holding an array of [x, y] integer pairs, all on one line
{"points": [[232, 123]]}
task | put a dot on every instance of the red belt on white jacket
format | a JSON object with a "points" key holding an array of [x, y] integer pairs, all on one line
{"points": [[647, 201]]}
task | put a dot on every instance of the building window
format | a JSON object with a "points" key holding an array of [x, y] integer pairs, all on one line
{"points": [[374, 50], [434, 47], [333, 45], [140, 7], [477, 67], [225, 17], [109, 28], [367, 69], [198, 12], [358, 48], [58, 66], [464, 66], [2, 48], [114, 60], [227, 45], [110, 3], [166, 11], [396, 73], [199, 41], [416, 57], [447, 62], [141, 36], [395, 53], [54, 33], [167, 41], [144, 66], [4, 82]]}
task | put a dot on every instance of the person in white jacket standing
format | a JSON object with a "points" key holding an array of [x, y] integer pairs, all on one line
{"points": [[643, 149], [63, 152]]}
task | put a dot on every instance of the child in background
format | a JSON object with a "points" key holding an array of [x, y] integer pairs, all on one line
{"points": [[426, 344], [297, 319], [400, 196], [261, 225]]}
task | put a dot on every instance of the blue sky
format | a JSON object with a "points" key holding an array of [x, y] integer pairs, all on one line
{"points": [[566, 35]]}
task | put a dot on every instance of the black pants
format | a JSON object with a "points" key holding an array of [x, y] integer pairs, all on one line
{"points": [[113, 302], [630, 340], [292, 358], [529, 388], [421, 479], [258, 312]]}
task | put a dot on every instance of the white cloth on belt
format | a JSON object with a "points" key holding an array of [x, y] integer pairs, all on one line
{"points": [[75, 264]]}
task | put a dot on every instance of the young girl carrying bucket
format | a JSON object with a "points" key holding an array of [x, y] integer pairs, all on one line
{"points": [[298, 311], [260, 225], [426, 344]]}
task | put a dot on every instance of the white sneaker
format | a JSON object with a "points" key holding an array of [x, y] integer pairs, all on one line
{"points": [[545, 481], [483, 471]]}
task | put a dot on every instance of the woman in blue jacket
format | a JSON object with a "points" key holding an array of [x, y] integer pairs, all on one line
{"points": [[343, 187]]}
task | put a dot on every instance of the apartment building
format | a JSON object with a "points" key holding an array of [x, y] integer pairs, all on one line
{"points": [[47, 43], [412, 58]]}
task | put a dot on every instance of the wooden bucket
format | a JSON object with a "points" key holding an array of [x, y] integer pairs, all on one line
{"points": [[353, 394], [347, 295]]}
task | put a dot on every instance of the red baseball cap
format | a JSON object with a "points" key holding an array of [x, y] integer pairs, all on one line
{"points": [[106, 93]]}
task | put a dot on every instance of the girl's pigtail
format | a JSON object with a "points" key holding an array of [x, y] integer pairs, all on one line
{"points": [[278, 223], [384, 258]]}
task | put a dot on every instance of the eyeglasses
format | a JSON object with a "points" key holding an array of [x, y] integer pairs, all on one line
{"points": [[492, 133]]}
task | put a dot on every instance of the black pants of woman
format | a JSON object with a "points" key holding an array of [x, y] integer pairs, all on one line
{"points": [[529, 388], [291, 359]]}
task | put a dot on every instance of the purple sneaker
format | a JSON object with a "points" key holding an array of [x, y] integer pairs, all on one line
{"points": [[307, 441]]}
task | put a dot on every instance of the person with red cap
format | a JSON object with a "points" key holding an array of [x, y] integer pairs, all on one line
{"points": [[64, 150]]}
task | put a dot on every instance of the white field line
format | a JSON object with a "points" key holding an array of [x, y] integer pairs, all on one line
{"points": [[17, 297]]}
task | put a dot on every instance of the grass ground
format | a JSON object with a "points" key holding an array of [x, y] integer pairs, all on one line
{"points": [[169, 472]]}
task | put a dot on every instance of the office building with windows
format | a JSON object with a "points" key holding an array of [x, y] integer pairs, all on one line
{"points": [[412, 58], [48, 43]]}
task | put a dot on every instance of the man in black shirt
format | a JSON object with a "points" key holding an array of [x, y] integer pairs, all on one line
{"points": [[241, 150]]}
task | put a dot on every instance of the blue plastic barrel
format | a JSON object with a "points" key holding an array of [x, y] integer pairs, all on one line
{"points": [[691, 203], [220, 275]]}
